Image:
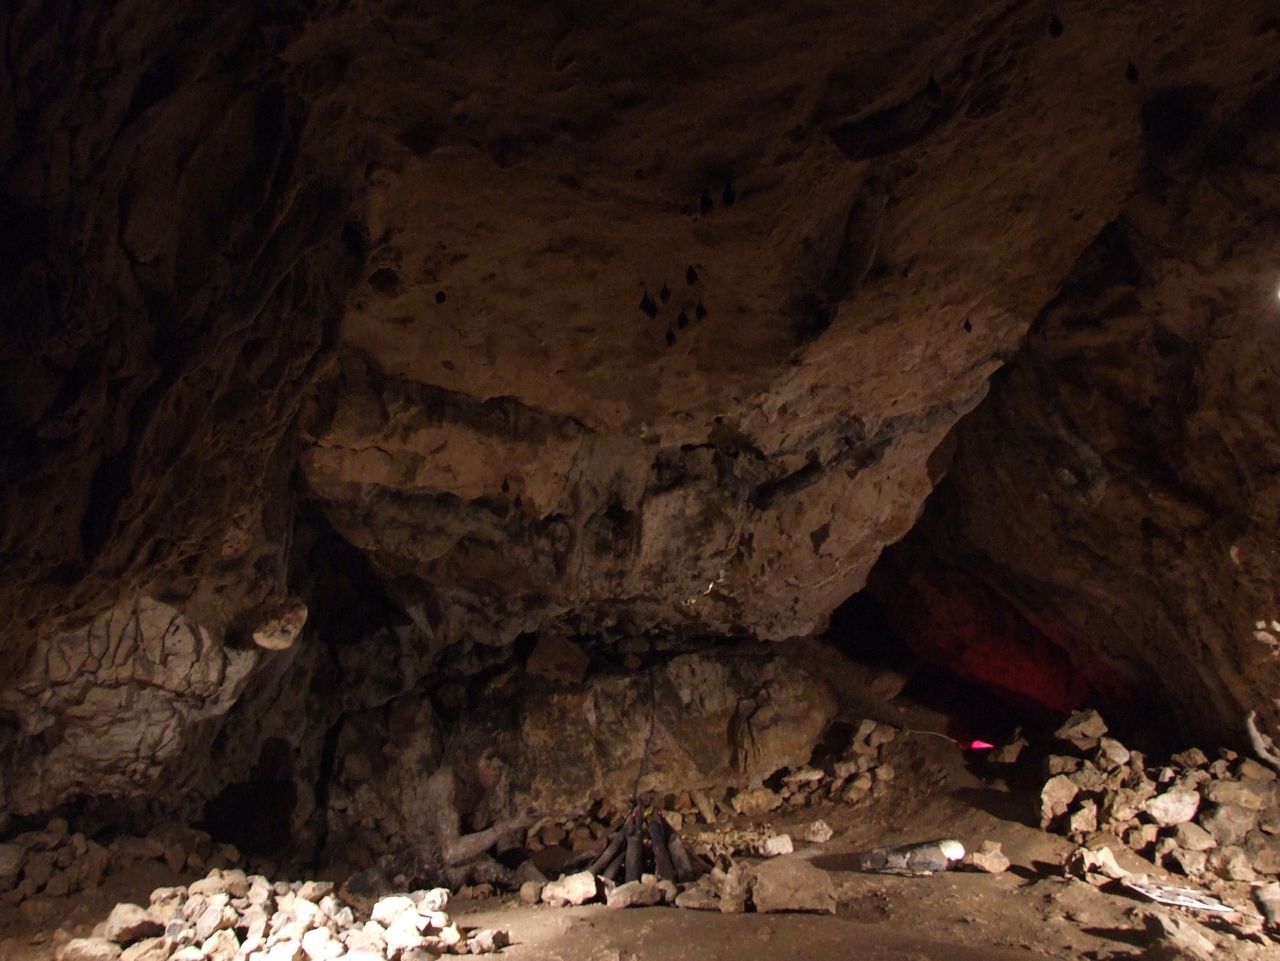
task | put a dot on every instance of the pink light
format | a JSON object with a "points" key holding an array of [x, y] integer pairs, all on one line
{"points": [[976, 745]]}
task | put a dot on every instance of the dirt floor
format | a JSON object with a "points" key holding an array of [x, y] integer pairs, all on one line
{"points": [[1032, 911]]}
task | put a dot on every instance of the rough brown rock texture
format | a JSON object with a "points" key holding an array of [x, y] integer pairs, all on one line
{"points": [[691, 721], [1133, 448], [173, 263], [663, 316], [668, 339]]}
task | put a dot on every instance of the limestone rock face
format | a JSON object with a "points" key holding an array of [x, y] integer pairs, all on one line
{"points": [[700, 381], [718, 720], [727, 718], [123, 694], [606, 322], [1120, 491]]}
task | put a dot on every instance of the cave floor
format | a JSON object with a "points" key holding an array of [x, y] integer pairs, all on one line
{"points": [[1031, 911]]}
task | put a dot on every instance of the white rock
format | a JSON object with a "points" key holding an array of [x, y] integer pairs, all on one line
{"points": [[210, 885], [1095, 865], [319, 944], [391, 907], [221, 946], [818, 832], [366, 937], [573, 889], [287, 950], [254, 920], [437, 899], [131, 922], [486, 941], [777, 845], [1111, 754], [754, 802], [1082, 730], [218, 916], [1055, 797], [988, 858], [315, 890], [151, 949], [1173, 807], [190, 953], [634, 894], [403, 933], [89, 949]]}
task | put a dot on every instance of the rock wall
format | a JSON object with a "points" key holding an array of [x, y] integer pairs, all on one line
{"points": [[1134, 445], [572, 319], [710, 721]]}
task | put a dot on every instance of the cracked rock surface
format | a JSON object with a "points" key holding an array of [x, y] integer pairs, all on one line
{"points": [[368, 339]]}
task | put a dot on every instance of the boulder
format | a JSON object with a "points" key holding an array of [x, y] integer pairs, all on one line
{"points": [[1173, 807], [1084, 819], [1232, 863], [131, 922], [572, 889], [1181, 933], [222, 945], [486, 941], [89, 949], [634, 894], [1111, 754], [1082, 730], [150, 949], [319, 944], [1192, 757], [435, 899], [1055, 798], [699, 897], [1190, 863], [1193, 837], [792, 884], [1231, 792], [735, 887], [389, 909], [1227, 823], [754, 802], [989, 858], [1267, 897], [1263, 851], [777, 844], [818, 832], [1096, 865]]}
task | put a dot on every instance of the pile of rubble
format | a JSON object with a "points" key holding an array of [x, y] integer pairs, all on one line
{"points": [[56, 862], [231, 916], [1202, 818]]}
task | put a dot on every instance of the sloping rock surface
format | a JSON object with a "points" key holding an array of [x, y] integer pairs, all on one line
{"points": [[1134, 447]]}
